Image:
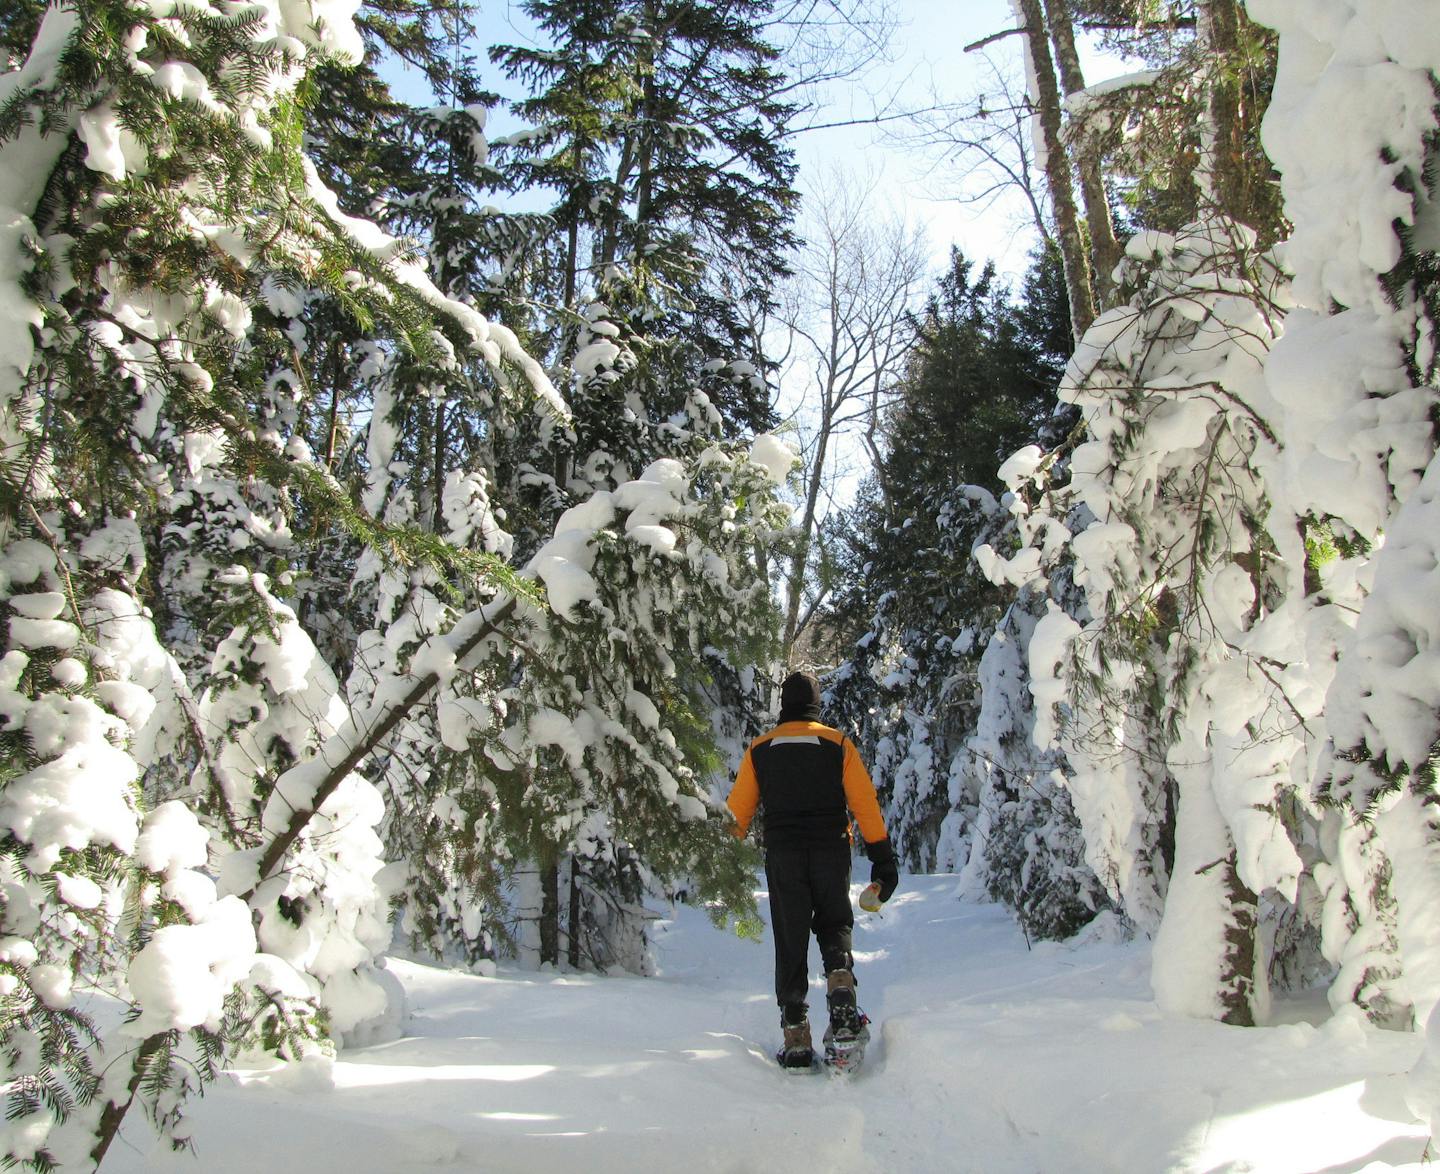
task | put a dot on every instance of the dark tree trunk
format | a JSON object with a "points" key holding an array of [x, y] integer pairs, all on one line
{"points": [[572, 262], [1170, 792], [550, 913], [114, 1111], [437, 520], [1057, 171], [1237, 981], [573, 936], [1224, 167], [1105, 250]]}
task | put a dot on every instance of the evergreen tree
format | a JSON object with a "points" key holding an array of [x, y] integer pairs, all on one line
{"points": [[1012, 832], [659, 127], [1208, 645], [155, 182], [1182, 140], [199, 319], [1176, 564], [655, 126], [980, 382], [977, 386], [1359, 339]]}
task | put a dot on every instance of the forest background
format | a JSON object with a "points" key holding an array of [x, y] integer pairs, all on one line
{"points": [[402, 531]]}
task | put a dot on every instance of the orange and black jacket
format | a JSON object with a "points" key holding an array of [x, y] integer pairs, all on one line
{"points": [[809, 779]]}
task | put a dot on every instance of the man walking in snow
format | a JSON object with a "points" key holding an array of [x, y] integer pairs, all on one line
{"points": [[808, 780]]}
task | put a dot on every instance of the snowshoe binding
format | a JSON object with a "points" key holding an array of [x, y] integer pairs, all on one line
{"points": [[849, 1030], [845, 1049]]}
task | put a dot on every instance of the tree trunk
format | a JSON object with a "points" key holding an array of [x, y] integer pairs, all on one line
{"points": [[645, 176], [637, 151], [1170, 792], [1105, 250], [576, 906], [114, 1113], [1224, 179], [332, 427], [550, 912], [795, 589], [572, 263], [437, 519], [1238, 995], [1207, 954], [1057, 170]]}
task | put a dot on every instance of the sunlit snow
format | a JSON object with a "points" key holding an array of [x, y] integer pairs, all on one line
{"points": [[988, 1059]]}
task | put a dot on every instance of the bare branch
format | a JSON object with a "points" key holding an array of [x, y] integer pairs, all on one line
{"points": [[983, 144], [992, 38]]}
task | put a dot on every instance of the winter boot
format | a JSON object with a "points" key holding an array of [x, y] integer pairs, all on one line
{"points": [[797, 1051], [849, 1032], [844, 1013]]}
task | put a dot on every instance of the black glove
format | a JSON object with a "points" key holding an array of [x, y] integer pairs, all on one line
{"points": [[884, 870]]}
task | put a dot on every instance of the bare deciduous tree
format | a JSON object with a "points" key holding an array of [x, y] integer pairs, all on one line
{"points": [[856, 283], [983, 144]]}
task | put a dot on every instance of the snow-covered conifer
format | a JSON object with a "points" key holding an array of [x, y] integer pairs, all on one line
{"points": [[160, 217], [914, 691], [1355, 376], [1180, 719], [1012, 832]]}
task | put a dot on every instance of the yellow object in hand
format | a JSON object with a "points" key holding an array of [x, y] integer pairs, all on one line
{"points": [[870, 898]]}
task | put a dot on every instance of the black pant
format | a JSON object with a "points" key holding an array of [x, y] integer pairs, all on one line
{"points": [[809, 891]]}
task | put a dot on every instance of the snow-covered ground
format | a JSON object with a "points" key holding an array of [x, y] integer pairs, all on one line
{"points": [[988, 1057]]}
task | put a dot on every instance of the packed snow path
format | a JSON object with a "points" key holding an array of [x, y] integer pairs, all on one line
{"points": [[987, 1057]]}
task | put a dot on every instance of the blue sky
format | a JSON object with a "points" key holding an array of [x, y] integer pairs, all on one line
{"points": [[929, 58]]}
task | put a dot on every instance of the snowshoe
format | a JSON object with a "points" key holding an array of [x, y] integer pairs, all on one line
{"points": [[845, 1046], [849, 1029]]}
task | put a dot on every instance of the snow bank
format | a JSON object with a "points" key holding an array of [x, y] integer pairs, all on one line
{"points": [[986, 1056]]}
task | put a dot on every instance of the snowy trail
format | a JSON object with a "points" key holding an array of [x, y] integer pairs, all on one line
{"points": [[987, 1058]]}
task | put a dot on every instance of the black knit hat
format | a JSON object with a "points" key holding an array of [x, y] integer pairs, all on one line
{"points": [[800, 698]]}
